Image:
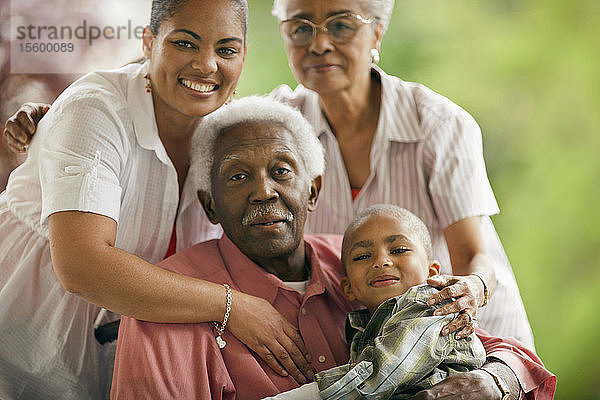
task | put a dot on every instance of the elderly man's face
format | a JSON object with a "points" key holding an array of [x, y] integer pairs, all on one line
{"points": [[260, 189]]}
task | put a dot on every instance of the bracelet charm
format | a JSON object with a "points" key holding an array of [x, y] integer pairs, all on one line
{"points": [[221, 327]]}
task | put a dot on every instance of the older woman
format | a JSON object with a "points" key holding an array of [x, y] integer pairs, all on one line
{"points": [[390, 141], [84, 219]]}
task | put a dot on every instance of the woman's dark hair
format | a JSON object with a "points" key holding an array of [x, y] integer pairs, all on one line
{"points": [[165, 9]]}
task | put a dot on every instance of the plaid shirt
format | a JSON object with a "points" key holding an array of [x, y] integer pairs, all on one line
{"points": [[399, 351]]}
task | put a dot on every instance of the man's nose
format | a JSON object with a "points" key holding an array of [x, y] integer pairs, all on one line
{"points": [[263, 190]]}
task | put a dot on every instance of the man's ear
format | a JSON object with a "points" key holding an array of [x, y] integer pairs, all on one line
{"points": [[434, 268], [147, 41], [347, 289], [315, 189], [209, 206]]}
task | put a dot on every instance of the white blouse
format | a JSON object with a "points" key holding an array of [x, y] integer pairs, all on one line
{"points": [[96, 150], [426, 156]]}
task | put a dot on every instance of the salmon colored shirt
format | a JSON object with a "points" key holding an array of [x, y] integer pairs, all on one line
{"points": [[183, 361]]}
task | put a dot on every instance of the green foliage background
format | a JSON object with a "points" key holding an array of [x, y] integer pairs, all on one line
{"points": [[529, 72]]}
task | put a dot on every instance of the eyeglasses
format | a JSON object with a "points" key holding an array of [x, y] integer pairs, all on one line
{"points": [[340, 28]]}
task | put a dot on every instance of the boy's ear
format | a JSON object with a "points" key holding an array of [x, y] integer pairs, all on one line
{"points": [[434, 268], [347, 289], [209, 206]]}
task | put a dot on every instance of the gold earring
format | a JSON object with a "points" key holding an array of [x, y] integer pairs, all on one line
{"points": [[148, 83], [230, 98]]}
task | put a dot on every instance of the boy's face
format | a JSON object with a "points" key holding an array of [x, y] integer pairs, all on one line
{"points": [[384, 258]]}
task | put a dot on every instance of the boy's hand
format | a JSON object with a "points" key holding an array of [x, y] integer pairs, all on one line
{"points": [[20, 128], [464, 291]]}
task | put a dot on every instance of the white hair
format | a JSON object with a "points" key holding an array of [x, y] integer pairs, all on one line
{"points": [[380, 9], [252, 109]]}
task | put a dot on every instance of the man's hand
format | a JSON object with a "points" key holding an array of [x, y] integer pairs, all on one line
{"points": [[473, 385], [466, 293], [257, 324], [19, 128]]}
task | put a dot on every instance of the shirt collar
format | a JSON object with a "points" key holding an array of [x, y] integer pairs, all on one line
{"points": [[141, 109], [252, 279], [398, 117]]}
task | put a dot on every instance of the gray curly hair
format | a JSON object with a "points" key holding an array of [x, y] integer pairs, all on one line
{"points": [[380, 9], [251, 109]]}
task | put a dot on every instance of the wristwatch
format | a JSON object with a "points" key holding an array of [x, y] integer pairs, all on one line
{"points": [[500, 384]]}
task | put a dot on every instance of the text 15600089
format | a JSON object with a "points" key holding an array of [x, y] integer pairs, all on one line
{"points": [[49, 47]]}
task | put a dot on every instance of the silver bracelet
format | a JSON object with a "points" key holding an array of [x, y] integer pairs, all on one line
{"points": [[486, 294], [221, 327]]}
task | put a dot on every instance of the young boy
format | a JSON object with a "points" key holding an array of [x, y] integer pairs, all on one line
{"points": [[397, 349]]}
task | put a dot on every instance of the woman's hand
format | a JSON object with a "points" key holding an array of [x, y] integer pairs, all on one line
{"points": [[19, 128], [467, 293], [256, 323], [472, 385]]}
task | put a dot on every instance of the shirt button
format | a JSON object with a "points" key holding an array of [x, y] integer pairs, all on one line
{"points": [[303, 311], [322, 359]]}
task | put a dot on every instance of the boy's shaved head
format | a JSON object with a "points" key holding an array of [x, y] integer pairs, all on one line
{"points": [[414, 224]]}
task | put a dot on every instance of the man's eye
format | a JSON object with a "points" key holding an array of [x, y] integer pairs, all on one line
{"points": [[360, 257], [282, 171], [238, 177], [400, 250]]}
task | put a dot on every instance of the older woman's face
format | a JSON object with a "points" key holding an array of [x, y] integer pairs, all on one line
{"points": [[324, 65], [197, 57]]}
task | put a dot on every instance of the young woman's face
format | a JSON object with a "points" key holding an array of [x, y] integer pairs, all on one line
{"points": [[197, 56], [324, 65]]}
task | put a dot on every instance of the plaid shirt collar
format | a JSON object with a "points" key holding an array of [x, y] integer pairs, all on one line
{"points": [[358, 321]]}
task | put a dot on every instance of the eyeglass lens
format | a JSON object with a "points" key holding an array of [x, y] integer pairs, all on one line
{"points": [[341, 29]]}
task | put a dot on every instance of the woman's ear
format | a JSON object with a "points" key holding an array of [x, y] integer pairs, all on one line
{"points": [[347, 289], [147, 41], [209, 206], [378, 36], [434, 268]]}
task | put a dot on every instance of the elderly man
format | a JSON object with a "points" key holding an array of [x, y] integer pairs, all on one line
{"points": [[258, 166]]}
